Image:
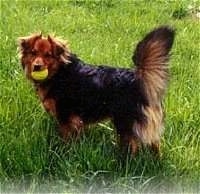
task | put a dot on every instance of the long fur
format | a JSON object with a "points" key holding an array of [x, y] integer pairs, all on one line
{"points": [[79, 93], [151, 58]]}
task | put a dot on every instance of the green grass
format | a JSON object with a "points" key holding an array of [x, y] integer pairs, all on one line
{"points": [[33, 158]]}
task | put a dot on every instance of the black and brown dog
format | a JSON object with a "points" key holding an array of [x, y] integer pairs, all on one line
{"points": [[77, 93]]}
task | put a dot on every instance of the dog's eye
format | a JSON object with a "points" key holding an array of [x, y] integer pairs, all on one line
{"points": [[33, 52]]}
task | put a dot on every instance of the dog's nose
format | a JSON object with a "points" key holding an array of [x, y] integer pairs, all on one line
{"points": [[37, 67]]}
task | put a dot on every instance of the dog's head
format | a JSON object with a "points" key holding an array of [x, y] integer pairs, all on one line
{"points": [[39, 54]]}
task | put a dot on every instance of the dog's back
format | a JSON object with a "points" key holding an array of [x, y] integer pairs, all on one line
{"points": [[77, 93]]}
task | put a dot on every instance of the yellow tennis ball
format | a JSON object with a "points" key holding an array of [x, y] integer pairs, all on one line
{"points": [[40, 75]]}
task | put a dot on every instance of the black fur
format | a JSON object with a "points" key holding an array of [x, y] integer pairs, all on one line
{"points": [[95, 93], [130, 97]]}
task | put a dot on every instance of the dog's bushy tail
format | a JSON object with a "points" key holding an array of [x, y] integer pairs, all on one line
{"points": [[151, 57]]}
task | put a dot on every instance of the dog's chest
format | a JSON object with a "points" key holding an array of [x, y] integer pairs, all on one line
{"points": [[42, 92]]}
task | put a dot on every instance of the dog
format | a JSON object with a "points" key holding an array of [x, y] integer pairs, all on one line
{"points": [[77, 93]]}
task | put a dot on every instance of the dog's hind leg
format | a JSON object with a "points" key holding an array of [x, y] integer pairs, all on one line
{"points": [[127, 140], [149, 132], [155, 148]]}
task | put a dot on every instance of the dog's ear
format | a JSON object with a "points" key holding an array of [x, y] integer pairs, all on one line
{"points": [[58, 46], [28, 41], [60, 49]]}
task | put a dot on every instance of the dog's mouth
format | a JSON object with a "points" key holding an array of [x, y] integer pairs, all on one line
{"points": [[40, 75]]}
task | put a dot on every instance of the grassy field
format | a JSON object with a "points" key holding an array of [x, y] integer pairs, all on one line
{"points": [[33, 158]]}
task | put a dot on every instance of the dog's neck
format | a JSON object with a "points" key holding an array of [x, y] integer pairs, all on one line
{"points": [[42, 87]]}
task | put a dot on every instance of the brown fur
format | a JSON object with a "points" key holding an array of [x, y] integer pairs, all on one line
{"points": [[50, 52], [78, 94], [151, 58], [72, 127]]}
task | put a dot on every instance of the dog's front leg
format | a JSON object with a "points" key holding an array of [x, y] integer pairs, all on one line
{"points": [[50, 106], [72, 127]]}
